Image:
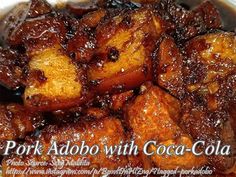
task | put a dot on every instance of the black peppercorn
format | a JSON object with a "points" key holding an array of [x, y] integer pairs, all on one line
{"points": [[113, 54]]}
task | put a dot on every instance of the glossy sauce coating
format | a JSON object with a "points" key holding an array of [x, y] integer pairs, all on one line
{"points": [[111, 71]]}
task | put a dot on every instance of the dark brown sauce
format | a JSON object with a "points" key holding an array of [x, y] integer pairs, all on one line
{"points": [[10, 96]]}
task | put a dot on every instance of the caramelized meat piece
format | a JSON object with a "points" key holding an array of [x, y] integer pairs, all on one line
{"points": [[214, 53], [169, 67], [11, 21], [11, 24], [16, 122], [210, 70], [150, 112], [38, 7], [125, 43], [38, 34], [154, 115], [208, 16], [211, 127], [82, 45], [189, 24], [187, 161], [107, 131], [33, 24], [12, 68], [54, 81], [209, 74]]}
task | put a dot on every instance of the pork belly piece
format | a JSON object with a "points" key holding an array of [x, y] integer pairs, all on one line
{"points": [[189, 24], [213, 55], [168, 67], [211, 126], [14, 19], [209, 74], [154, 115], [16, 122], [39, 33], [38, 7], [12, 68], [29, 27], [187, 161], [105, 131], [124, 47], [150, 112], [54, 81], [210, 68], [82, 45]]}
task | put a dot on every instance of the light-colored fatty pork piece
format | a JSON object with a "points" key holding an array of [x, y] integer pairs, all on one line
{"points": [[54, 81], [154, 116], [124, 47]]}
